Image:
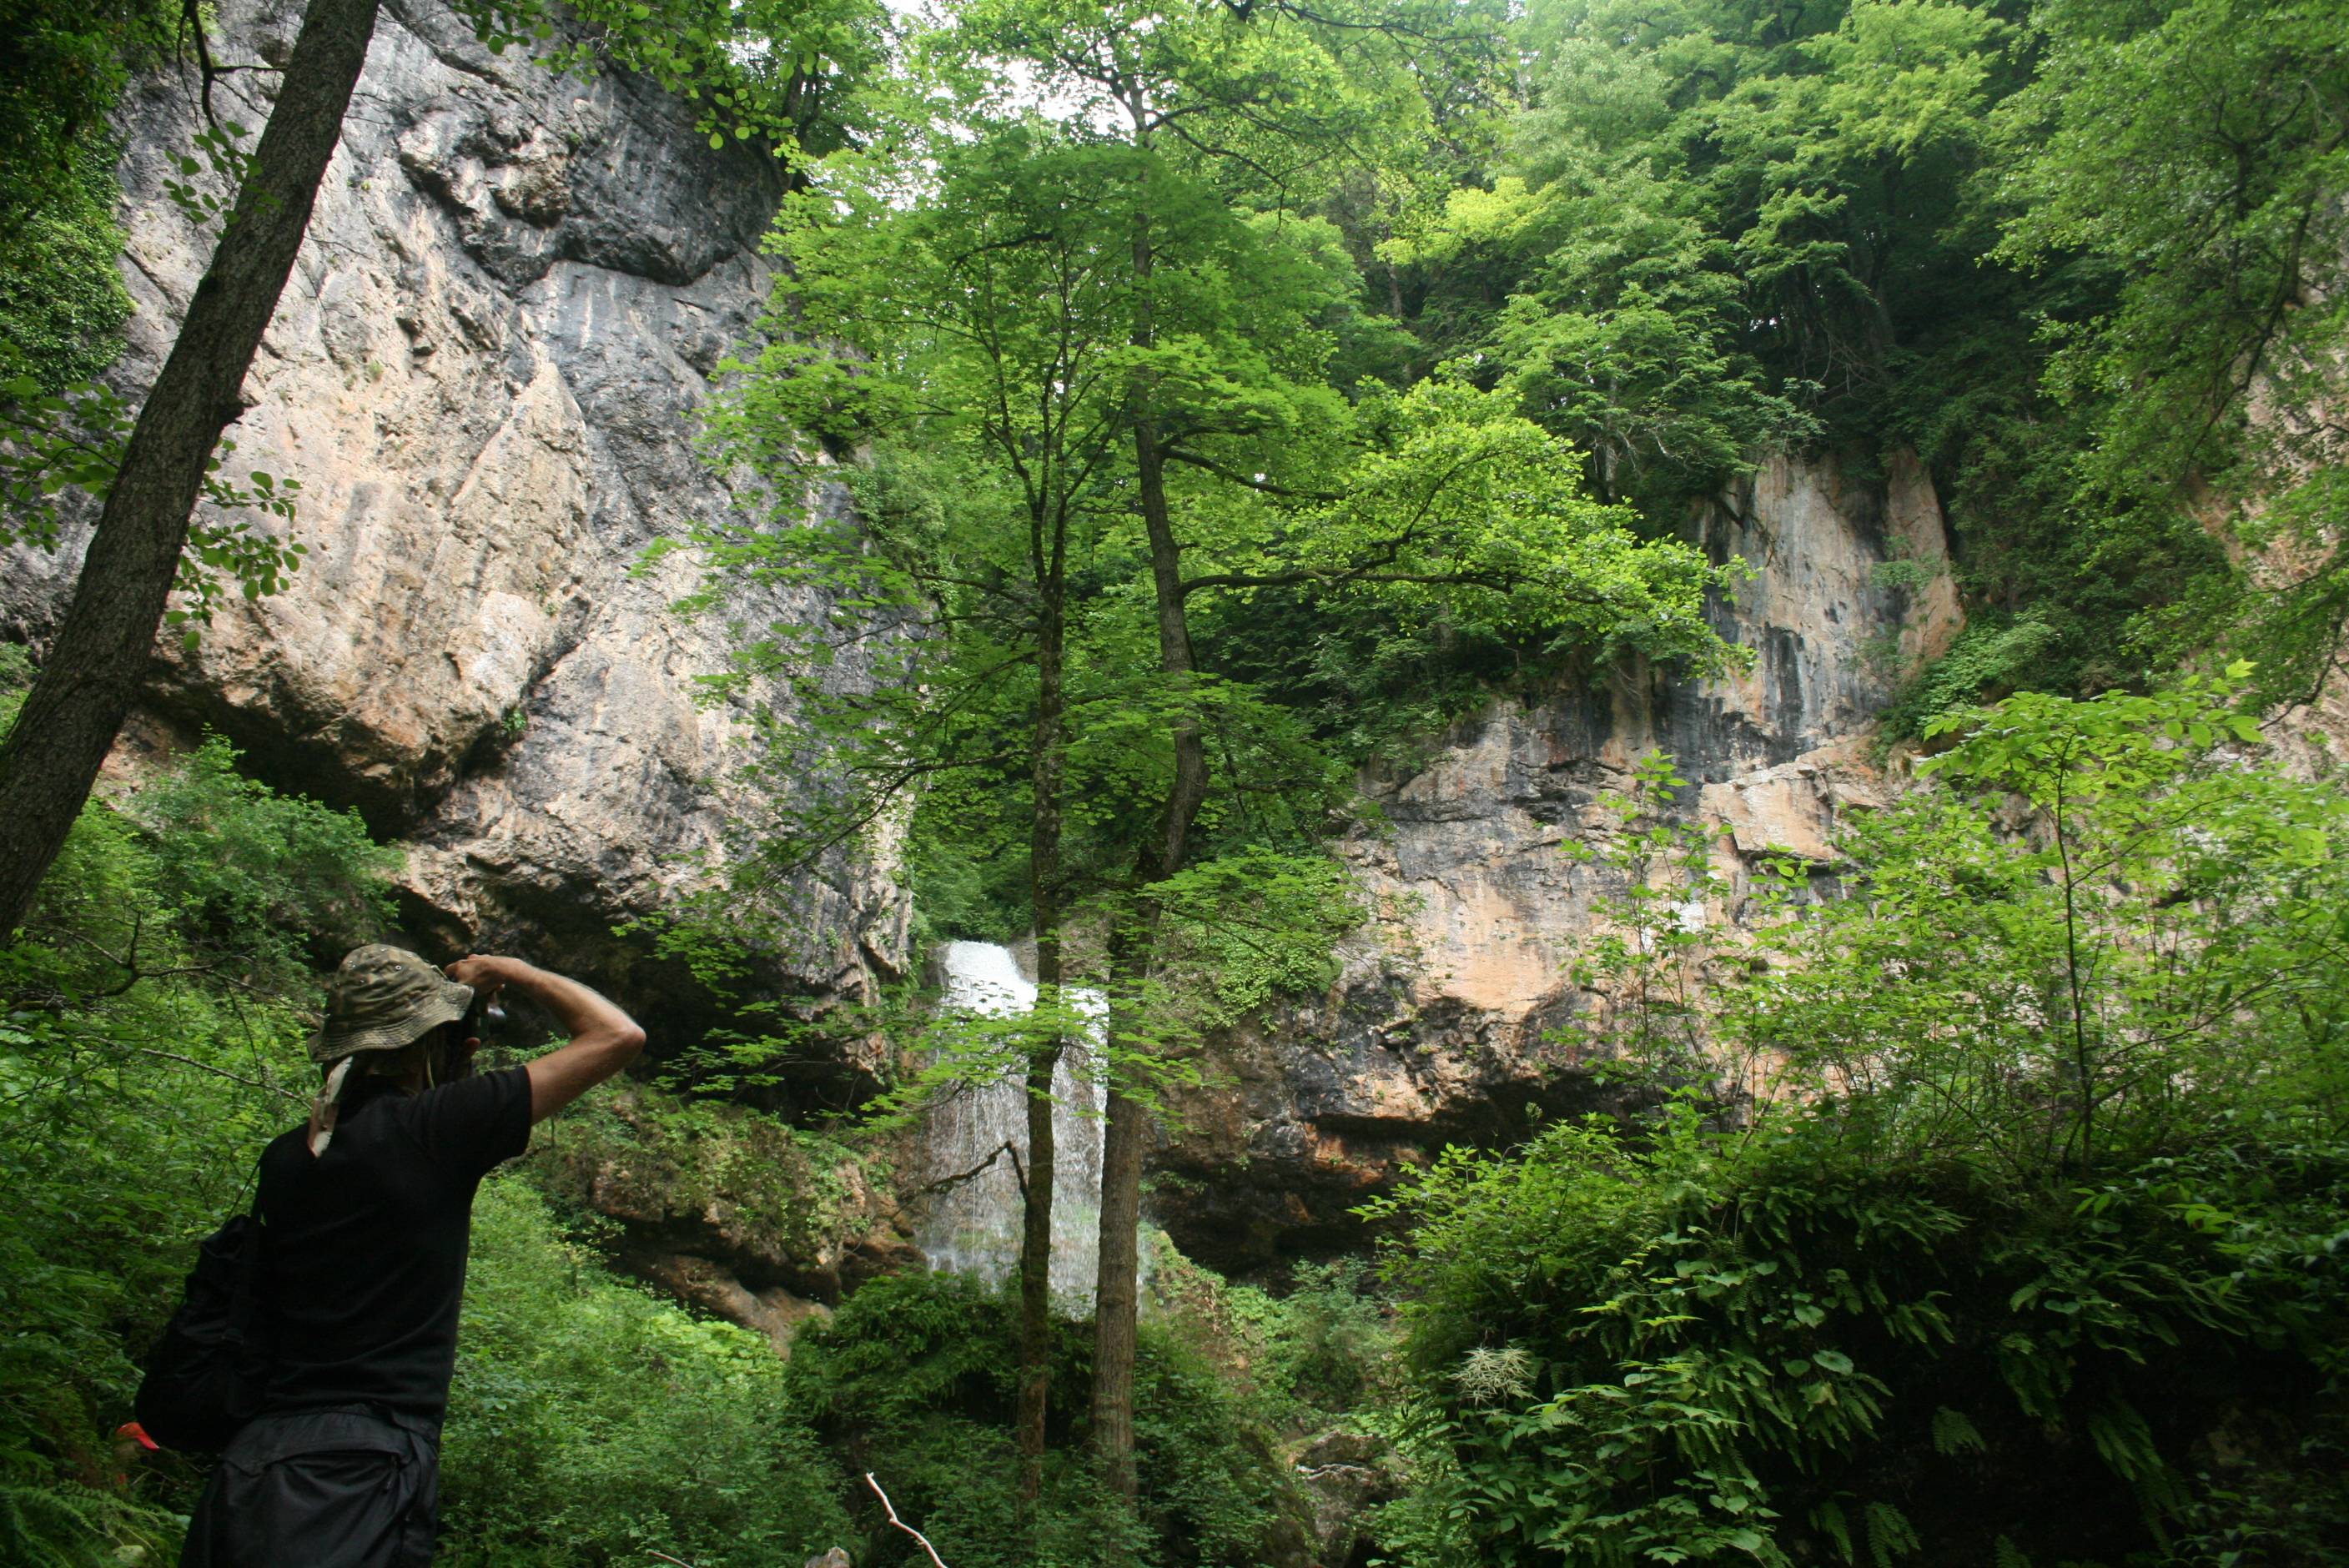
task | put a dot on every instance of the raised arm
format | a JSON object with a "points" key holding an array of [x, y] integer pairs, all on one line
{"points": [[603, 1039]]}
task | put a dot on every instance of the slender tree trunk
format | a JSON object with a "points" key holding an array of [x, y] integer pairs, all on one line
{"points": [[1043, 1057], [93, 673], [1117, 1292]]}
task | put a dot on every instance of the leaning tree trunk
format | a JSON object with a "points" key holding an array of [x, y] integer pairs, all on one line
{"points": [[94, 670]]}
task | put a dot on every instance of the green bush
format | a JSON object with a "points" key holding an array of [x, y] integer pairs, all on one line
{"points": [[1772, 1349], [1316, 1355], [2031, 1251], [591, 1422], [913, 1381], [62, 304]]}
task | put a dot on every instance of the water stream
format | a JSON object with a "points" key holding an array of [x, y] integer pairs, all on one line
{"points": [[973, 1227]]}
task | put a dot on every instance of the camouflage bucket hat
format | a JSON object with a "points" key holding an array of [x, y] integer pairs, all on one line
{"points": [[382, 998]]}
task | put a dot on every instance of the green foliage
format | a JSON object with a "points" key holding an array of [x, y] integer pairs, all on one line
{"points": [[65, 64], [1317, 1352], [781, 75], [2192, 154], [2049, 1175], [154, 1015], [1726, 226], [2085, 257], [1754, 1346], [593, 1423], [62, 305], [782, 1192], [1995, 656], [913, 1376]]}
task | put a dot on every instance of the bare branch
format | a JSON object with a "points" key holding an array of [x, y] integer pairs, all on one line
{"points": [[901, 1524], [1176, 454]]}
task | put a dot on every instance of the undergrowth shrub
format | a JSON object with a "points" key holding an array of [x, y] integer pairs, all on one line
{"points": [[2031, 1245], [1315, 1353], [591, 1422], [1770, 1349], [914, 1380]]}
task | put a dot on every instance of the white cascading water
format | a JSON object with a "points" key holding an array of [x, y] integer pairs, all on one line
{"points": [[973, 1226]]}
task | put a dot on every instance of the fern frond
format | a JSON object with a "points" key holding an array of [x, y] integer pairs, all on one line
{"points": [[1954, 1435], [1890, 1536]]}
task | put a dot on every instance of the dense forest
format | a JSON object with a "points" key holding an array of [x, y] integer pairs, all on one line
{"points": [[1160, 429]]}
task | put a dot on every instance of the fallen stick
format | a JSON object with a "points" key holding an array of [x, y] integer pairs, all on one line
{"points": [[901, 1524]]}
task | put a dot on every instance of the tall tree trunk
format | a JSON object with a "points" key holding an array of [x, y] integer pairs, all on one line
{"points": [[93, 674], [1116, 1292], [1044, 1055]]}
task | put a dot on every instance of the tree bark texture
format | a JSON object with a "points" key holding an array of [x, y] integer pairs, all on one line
{"points": [[1034, 1386], [100, 656], [1117, 1290]]}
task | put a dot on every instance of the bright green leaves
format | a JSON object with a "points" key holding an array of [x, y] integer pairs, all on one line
{"points": [[2191, 155], [71, 440], [1488, 512], [1713, 222], [220, 152], [52, 441], [783, 73], [1902, 79]]}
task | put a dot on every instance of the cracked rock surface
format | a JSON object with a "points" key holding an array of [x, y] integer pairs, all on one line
{"points": [[1448, 1021], [515, 289]]}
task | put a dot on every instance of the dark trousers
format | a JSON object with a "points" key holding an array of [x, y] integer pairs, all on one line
{"points": [[342, 1488]]}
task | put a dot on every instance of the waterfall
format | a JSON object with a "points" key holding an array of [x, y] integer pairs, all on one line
{"points": [[973, 1227]]}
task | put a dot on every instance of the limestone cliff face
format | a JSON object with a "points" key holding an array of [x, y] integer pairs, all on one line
{"points": [[514, 291], [1446, 1026]]}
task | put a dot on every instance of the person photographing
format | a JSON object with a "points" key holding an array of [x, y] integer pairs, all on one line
{"points": [[366, 1219]]}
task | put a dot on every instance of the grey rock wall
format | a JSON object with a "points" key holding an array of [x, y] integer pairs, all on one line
{"points": [[1445, 1024], [515, 290]]}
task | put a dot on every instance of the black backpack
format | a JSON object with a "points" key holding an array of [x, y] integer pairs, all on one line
{"points": [[205, 1377]]}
